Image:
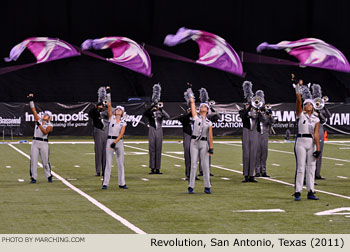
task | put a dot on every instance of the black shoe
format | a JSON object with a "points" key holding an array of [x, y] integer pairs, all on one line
{"points": [[190, 190], [311, 196], [123, 187], [211, 174], [265, 175], [320, 177], [197, 178], [32, 180], [187, 178], [207, 190], [97, 174], [49, 179], [315, 183], [104, 187], [257, 175], [252, 179], [200, 174], [153, 171], [245, 180], [297, 196], [158, 171]]}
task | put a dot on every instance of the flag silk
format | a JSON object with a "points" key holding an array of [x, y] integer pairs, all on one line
{"points": [[44, 49], [214, 51], [312, 52], [126, 53]]}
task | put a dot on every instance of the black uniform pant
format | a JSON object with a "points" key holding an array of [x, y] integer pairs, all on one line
{"points": [[155, 140]]}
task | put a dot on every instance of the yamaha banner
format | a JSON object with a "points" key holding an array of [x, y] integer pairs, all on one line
{"points": [[72, 119]]}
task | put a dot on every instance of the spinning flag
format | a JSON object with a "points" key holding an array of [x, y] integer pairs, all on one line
{"points": [[312, 52], [214, 51], [126, 53], [44, 49]]}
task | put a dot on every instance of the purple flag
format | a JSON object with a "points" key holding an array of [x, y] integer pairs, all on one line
{"points": [[44, 49], [312, 52], [126, 53], [214, 51]]}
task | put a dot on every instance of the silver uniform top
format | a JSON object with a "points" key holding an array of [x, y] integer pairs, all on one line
{"points": [[306, 123], [253, 115], [37, 130], [114, 127], [266, 123], [201, 126]]}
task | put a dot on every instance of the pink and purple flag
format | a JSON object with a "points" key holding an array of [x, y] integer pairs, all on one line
{"points": [[312, 52], [126, 53], [214, 51], [44, 49]]}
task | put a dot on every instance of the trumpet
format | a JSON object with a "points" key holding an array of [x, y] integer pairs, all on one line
{"points": [[211, 103], [267, 106], [257, 102], [160, 105]]}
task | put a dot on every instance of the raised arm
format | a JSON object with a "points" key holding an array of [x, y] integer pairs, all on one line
{"points": [[299, 107], [109, 105], [32, 106]]}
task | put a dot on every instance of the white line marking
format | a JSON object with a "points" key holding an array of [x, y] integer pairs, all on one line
{"points": [[143, 165], [71, 179], [76, 166], [89, 198], [145, 179], [239, 172], [20, 180], [336, 211], [223, 178], [342, 177], [8, 166], [289, 152], [177, 165], [344, 148], [339, 164], [133, 153], [276, 164], [175, 152], [260, 211]]}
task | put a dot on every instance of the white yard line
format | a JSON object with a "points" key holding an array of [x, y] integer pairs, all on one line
{"points": [[289, 152], [239, 172], [89, 198]]}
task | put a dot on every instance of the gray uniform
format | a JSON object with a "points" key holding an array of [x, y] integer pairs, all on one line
{"points": [[324, 114], [249, 141], [200, 147], [40, 146], [304, 149], [155, 136], [113, 133], [263, 141], [100, 134]]}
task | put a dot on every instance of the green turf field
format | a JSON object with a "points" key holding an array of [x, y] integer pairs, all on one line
{"points": [[160, 203]]}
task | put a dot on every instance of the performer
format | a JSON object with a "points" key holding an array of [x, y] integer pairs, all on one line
{"points": [[40, 142], [202, 131], [213, 117], [250, 134], [266, 120], [99, 117], [307, 144], [155, 114], [323, 114], [115, 143]]}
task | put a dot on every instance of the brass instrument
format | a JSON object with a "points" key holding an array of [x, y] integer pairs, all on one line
{"points": [[160, 105], [211, 103]]}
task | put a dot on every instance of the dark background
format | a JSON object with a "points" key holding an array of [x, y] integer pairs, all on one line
{"points": [[243, 23]]}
